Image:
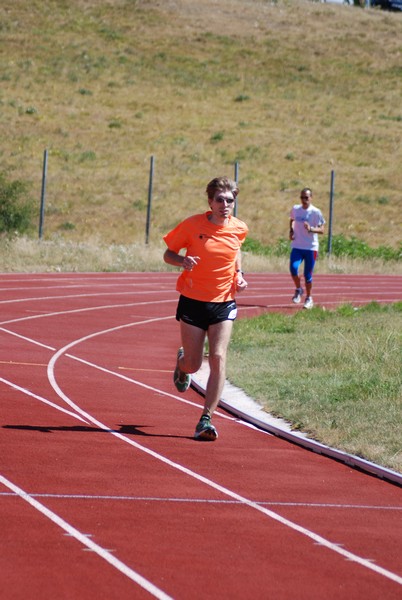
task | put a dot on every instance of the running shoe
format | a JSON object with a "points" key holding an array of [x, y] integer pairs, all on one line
{"points": [[181, 380], [205, 431], [297, 296], [308, 303]]}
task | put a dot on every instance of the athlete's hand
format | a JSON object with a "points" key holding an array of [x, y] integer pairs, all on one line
{"points": [[189, 262], [241, 283]]}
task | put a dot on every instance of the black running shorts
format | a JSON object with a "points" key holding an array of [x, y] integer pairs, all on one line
{"points": [[203, 314]]}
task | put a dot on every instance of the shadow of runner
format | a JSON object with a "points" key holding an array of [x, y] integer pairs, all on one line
{"points": [[135, 430]]}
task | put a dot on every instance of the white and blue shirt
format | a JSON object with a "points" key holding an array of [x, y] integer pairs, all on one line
{"points": [[304, 239]]}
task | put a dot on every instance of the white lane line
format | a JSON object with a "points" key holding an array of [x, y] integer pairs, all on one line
{"points": [[140, 384], [294, 526], [41, 399], [317, 539], [130, 293], [87, 542], [83, 310], [223, 490], [26, 339], [105, 370], [344, 298], [254, 505], [64, 350], [90, 279], [92, 286], [205, 501]]}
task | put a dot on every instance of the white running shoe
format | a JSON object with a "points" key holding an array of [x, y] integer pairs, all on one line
{"points": [[297, 296], [308, 303]]}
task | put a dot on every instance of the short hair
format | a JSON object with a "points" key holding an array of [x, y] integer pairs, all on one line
{"points": [[307, 189], [221, 184]]}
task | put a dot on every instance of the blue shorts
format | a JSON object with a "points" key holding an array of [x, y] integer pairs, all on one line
{"points": [[297, 256], [203, 314]]}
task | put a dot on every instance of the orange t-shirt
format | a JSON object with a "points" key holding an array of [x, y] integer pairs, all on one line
{"points": [[213, 278]]}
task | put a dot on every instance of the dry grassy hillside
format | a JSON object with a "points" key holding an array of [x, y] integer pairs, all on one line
{"points": [[290, 89]]}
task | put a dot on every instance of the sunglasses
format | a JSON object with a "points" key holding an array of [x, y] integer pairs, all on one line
{"points": [[305, 197], [221, 200]]}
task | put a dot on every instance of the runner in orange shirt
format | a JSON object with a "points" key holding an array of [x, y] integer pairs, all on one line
{"points": [[210, 278]]}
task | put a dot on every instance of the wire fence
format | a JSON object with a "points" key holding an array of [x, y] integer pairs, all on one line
{"points": [[150, 196]]}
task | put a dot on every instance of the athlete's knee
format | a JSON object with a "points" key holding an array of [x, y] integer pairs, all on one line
{"points": [[308, 275], [293, 269], [191, 364], [217, 360], [191, 361]]}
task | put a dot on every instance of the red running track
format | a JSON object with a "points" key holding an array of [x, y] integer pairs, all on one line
{"points": [[103, 492]]}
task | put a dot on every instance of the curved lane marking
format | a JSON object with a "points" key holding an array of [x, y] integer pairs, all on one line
{"points": [[294, 526], [212, 484], [130, 293], [89, 309], [119, 375]]}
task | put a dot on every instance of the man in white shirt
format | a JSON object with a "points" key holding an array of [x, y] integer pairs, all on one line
{"points": [[306, 223]]}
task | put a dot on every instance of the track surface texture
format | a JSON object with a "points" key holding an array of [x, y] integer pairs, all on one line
{"points": [[104, 493]]}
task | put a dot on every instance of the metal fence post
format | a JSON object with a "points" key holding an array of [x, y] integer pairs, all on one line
{"points": [[236, 176], [151, 177], [43, 194], [331, 208]]}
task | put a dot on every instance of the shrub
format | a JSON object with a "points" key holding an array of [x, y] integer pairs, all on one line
{"points": [[16, 208], [341, 247], [355, 248]]}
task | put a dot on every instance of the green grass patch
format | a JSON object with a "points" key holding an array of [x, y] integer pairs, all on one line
{"points": [[337, 375]]}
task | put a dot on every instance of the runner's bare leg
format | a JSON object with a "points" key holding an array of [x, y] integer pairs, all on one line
{"points": [[218, 338]]}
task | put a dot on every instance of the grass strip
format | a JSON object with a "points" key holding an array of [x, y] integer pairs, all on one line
{"points": [[336, 375]]}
